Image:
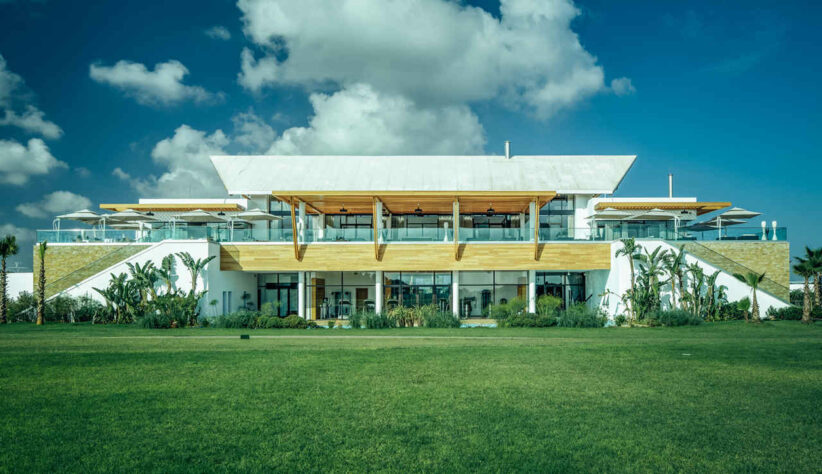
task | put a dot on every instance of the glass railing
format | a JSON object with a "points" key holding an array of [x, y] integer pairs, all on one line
{"points": [[439, 234], [496, 234], [424, 234]]}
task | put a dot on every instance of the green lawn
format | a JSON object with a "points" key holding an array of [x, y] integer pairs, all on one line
{"points": [[718, 397]]}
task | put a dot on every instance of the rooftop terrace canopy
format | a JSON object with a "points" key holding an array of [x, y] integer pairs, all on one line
{"points": [[313, 175], [699, 207]]}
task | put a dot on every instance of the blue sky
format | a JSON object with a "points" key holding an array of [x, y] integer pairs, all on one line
{"points": [[725, 98]]}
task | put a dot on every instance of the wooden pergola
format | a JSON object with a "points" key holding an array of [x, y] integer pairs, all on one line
{"points": [[409, 202]]}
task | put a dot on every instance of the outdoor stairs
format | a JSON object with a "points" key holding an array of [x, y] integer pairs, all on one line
{"points": [[731, 267], [92, 268]]}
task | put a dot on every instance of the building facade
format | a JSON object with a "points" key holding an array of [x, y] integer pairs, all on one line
{"points": [[323, 236]]}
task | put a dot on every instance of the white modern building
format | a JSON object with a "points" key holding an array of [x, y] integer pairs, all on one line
{"points": [[322, 236]]}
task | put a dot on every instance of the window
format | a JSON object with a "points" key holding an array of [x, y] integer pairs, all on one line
{"points": [[479, 290], [279, 290], [417, 289], [337, 294], [226, 302], [569, 287]]}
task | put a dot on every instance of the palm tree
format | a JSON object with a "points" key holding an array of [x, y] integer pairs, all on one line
{"points": [[630, 249], [753, 280], [166, 272], [814, 259], [695, 298], [146, 279], [8, 247], [41, 287], [194, 267], [806, 271], [673, 264], [652, 263]]}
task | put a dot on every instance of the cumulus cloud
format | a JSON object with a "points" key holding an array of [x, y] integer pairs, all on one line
{"points": [[251, 133], [189, 170], [32, 121], [53, 204], [622, 86], [120, 174], [431, 51], [359, 120], [164, 85], [18, 162], [218, 32]]}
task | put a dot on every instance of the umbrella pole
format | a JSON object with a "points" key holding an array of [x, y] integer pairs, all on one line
{"points": [[719, 226]]}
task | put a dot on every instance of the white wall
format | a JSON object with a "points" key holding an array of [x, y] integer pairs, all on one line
{"points": [[619, 281], [20, 282]]}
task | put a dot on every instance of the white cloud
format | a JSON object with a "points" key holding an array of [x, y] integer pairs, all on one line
{"points": [[164, 85], [82, 171], [9, 82], [622, 86], [189, 170], [53, 204], [218, 32], [32, 121], [359, 120], [251, 133], [18, 162], [431, 51], [120, 174]]}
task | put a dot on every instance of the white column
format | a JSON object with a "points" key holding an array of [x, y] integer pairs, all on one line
{"points": [[533, 213], [522, 225], [301, 295], [378, 293], [378, 224], [321, 226], [532, 291], [301, 222], [456, 218], [455, 293]]}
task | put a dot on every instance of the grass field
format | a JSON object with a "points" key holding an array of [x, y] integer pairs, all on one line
{"points": [[718, 397]]}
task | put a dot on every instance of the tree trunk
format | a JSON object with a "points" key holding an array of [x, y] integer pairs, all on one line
{"points": [[806, 306], [816, 290], [755, 309], [673, 292], [681, 293], [41, 294], [633, 309], [3, 290]]}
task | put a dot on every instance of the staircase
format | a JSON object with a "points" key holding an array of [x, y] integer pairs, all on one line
{"points": [[92, 268], [730, 266]]}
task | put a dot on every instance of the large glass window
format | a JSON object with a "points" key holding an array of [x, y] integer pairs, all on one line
{"points": [[569, 287], [279, 290], [417, 289], [558, 214], [338, 294], [479, 290]]}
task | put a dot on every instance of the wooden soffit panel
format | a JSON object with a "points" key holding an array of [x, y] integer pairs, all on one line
{"points": [[699, 207], [172, 207], [408, 202], [415, 257]]}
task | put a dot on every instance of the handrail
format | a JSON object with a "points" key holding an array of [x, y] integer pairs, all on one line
{"points": [[723, 258]]}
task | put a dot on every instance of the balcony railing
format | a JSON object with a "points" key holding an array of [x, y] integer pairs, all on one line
{"points": [[433, 235]]}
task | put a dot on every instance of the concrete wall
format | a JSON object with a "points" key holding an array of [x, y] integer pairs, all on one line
{"points": [[20, 282]]}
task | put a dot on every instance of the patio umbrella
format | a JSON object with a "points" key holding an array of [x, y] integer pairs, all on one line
{"points": [[200, 216], [610, 214], [257, 215], [85, 216], [734, 213], [653, 215], [130, 215]]}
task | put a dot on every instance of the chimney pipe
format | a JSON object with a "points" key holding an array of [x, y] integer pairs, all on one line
{"points": [[670, 185], [507, 150]]}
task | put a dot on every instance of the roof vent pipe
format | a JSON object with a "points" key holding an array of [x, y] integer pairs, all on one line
{"points": [[670, 185], [507, 150]]}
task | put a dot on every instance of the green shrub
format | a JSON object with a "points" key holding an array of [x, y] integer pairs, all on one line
{"points": [[548, 306], [240, 319], [579, 315], [502, 311], [405, 316], [294, 322], [331, 324], [378, 321], [788, 313], [155, 321], [431, 316], [528, 320], [674, 317], [797, 297], [356, 319], [620, 320]]}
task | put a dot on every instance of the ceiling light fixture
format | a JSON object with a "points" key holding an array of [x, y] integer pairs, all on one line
{"points": [[490, 210], [343, 210], [418, 211]]}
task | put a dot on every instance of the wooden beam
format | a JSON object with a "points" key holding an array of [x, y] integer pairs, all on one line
{"points": [[444, 193], [294, 230], [172, 207], [456, 218], [536, 228], [376, 230]]}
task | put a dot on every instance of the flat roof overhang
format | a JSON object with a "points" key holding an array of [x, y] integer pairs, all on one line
{"points": [[699, 207], [406, 202], [173, 207]]}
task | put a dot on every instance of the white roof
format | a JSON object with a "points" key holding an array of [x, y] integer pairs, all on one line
{"points": [[564, 174]]}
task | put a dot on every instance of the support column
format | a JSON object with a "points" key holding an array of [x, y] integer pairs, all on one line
{"points": [[455, 293], [456, 219], [379, 293], [301, 295], [532, 291], [301, 222]]}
